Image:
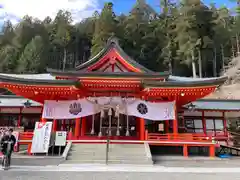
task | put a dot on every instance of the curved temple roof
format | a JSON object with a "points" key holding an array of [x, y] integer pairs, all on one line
{"points": [[40, 79], [48, 79], [83, 74], [186, 83]]}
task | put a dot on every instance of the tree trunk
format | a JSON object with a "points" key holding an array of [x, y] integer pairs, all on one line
{"points": [[199, 63], [215, 63], [193, 65], [223, 58], [170, 66], [64, 58], [237, 41], [233, 54]]}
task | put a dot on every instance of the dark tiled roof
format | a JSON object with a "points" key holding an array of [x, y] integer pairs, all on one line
{"points": [[21, 80], [144, 77], [215, 104], [108, 74], [216, 81]]}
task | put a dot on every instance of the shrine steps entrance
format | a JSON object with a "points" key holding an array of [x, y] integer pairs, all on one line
{"points": [[86, 153]]}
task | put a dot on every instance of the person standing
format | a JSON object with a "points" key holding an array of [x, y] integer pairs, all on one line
{"points": [[8, 137]]}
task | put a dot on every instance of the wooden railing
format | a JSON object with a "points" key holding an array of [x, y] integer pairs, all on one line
{"points": [[178, 137], [25, 135]]}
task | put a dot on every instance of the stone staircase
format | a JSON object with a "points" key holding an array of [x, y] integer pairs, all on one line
{"points": [[86, 153], [129, 154], [118, 154]]}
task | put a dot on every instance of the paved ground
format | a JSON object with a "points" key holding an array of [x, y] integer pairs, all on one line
{"points": [[178, 161], [114, 176], [198, 163], [166, 161], [36, 162], [47, 168]]}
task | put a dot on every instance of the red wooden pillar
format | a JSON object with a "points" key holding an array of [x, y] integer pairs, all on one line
{"points": [[185, 150], [224, 124], [175, 121], [141, 129], [212, 150], [29, 149], [84, 125], [204, 123], [63, 125], [19, 120], [167, 126], [54, 128], [77, 127]]}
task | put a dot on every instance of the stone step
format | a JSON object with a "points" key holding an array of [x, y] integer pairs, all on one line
{"points": [[127, 153], [104, 162], [86, 159], [109, 157], [118, 154]]}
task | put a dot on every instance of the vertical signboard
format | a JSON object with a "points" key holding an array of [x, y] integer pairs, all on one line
{"points": [[41, 137]]}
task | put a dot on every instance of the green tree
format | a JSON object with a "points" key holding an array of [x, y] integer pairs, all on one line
{"points": [[8, 59], [31, 60], [61, 33], [222, 38], [168, 24], [194, 32], [105, 27]]}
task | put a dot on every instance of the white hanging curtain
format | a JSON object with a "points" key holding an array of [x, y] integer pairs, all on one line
{"points": [[130, 107]]}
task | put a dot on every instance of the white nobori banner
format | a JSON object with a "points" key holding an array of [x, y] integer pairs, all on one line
{"points": [[129, 106], [41, 137]]}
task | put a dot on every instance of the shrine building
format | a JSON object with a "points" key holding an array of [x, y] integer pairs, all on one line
{"points": [[97, 100]]}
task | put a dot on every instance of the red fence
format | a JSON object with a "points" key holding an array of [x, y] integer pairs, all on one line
{"points": [[178, 137]]}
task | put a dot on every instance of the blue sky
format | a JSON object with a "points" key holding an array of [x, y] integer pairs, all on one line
{"points": [[125, 5], [16, 9]]}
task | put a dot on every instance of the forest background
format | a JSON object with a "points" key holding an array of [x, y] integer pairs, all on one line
{"points": [[188, 38]]}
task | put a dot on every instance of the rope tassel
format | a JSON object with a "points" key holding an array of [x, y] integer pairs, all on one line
{"points": [[102, 113], [110, 112], [117, 112]]}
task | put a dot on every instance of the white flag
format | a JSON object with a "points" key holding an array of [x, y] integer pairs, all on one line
{"points": [[152, 111]]}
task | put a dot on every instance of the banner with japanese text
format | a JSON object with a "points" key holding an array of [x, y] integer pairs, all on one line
{"points": [[41, 137]]}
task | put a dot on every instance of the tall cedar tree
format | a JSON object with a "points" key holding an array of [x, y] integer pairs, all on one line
{"points": [[105, 28]]}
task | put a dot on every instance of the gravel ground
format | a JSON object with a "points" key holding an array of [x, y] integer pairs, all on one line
{"points": [[114, 176]]}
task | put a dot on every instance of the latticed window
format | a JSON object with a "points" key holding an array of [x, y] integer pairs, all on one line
{"points": [[214, 125], [194, 125]]}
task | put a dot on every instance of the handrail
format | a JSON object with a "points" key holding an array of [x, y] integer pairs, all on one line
{"points": [[25, 135], [66, 150], [183, 137]]}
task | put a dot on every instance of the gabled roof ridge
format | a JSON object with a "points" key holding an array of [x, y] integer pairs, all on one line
{"points": [[112, 42]]}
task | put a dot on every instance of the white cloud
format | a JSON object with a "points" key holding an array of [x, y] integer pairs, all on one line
{"points": [[16, 9]]}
